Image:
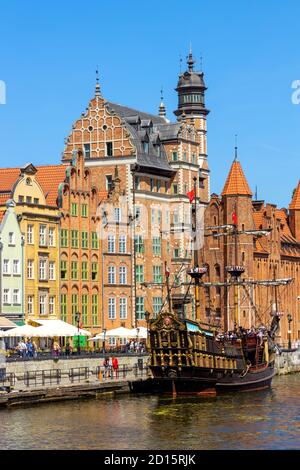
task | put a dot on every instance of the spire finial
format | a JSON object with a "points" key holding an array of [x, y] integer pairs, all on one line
{"points": [[235, 148], [162, 109], [97, 82], [190, 60]]}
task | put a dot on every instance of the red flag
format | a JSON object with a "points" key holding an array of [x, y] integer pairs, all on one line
{"points": [[167, 272], [234, 218], [191, 195]]}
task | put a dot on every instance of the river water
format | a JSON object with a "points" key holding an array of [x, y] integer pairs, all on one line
{"points": [[258, 420]]}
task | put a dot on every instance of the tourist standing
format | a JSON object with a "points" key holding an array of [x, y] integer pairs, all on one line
{"points": [[115, 364]]}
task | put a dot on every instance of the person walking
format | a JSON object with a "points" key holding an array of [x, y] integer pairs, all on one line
{"points": [[105, 365], [115, 364], [110, 367], [68, 349]]}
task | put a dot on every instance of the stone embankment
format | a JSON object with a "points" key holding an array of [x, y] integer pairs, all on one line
{"points": [[288, 362], [38, 381]]}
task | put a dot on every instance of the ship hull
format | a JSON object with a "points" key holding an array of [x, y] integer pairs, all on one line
{"points": [[201, 382]]}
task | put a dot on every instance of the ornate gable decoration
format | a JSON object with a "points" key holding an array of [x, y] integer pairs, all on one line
{"points": [[100, 132]]}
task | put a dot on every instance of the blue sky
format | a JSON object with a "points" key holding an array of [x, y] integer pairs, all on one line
{"points": [[49, 52]]}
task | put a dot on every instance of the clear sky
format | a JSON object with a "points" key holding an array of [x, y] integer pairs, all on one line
{"points": [[251, 55]]}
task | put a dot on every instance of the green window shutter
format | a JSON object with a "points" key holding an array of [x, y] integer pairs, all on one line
{"points": [[63, 307], [74, 270], [84, 271], [84, 240], [74, 209], [139, 308], [84, 308], [63, 270], [95, 310], [84, 210], [95, 244]]}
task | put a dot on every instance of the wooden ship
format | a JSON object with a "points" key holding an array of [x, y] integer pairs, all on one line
{"points": [[191, 358]]}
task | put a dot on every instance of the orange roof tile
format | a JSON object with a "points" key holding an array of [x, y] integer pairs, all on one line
{"points": [[295, 203], [2, 214], [281, 215], [236, 182], [49, 177], [4, 197], [258, 219]]}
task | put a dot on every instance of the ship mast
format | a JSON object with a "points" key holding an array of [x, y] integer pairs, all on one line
{"points": [[196, 261]]}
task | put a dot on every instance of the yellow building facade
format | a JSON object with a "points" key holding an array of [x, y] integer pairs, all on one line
{"points": [[39, 224]]}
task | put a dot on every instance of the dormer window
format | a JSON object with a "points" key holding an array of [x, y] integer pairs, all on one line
{"points": [[146, 147]]}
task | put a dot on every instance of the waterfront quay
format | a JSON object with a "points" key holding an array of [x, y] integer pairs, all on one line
{"points": [[46, 379], [51, 379]]}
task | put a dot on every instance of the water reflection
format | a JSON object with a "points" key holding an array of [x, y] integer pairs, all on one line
{"points": [[261, 420]]}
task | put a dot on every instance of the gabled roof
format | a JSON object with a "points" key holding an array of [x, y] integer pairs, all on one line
{"points": [[295, 203], [150, 161], [124, 111], [236, 183], [48, 176]]}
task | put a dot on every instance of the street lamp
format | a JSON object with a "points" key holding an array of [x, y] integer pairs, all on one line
{"points": [[289, 319], [77, 319], [103, 344]]}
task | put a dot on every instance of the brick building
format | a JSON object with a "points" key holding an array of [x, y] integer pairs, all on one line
{"points": [[276, 255], [132, 171]]}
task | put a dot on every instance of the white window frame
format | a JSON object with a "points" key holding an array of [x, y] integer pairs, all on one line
{"points": [[7, 296], [43, 235], [6, 266], [122, 274], [111, 275], [43, 296], [51, 305], [111, 308], [52, 241], [117, 214], [52, 271], [16, 264], [30, 237], [42, 269], [111, 244], [30, 269], [123, 308], [30, 305], [16, 296], [122, 243]]}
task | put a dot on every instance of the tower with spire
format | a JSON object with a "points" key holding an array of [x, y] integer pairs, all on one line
{"points": [[162, 108], [294, 213], [191, 92]]}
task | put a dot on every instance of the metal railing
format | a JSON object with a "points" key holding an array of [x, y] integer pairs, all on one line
{"points": [[77, 375], [42, 377]]}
